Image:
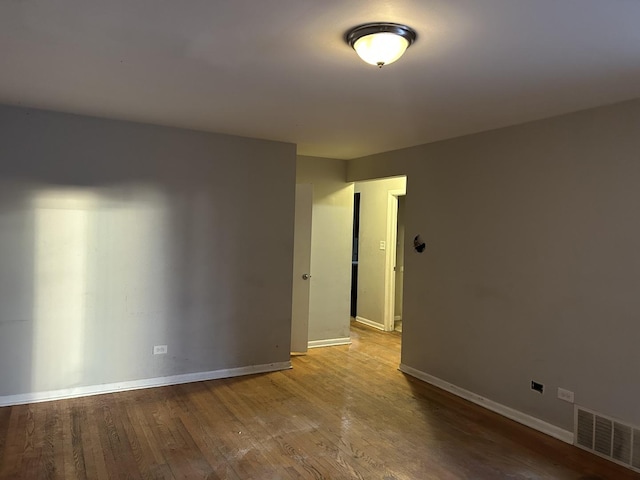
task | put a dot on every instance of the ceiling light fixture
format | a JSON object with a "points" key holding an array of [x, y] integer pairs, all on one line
{"points": [[380, 43]]}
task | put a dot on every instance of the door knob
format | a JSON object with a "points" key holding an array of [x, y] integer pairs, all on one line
{"points": [[306, 276]]}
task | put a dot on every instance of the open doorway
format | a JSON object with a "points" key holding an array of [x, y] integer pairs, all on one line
{"points": [[378, 253], [354, 255]]}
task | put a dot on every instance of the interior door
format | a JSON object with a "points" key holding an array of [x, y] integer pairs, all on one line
{"points": [[301, 267]]}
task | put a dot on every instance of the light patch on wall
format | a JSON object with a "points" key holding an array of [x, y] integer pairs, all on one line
{"points": [[101, 260], [61, 223]]}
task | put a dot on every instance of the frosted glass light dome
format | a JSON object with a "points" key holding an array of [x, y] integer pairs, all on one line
{"points": [[380, 48], [380, 43]]}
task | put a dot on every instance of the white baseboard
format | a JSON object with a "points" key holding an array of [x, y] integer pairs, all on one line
{"points": [[397, 318], [370, 323], [331, 342], [523, 418], [139, 384]]}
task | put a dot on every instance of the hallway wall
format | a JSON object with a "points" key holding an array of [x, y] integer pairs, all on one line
{"points": [[374, 197]]}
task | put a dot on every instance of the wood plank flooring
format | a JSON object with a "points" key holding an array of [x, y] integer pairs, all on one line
{"points": [[342, 412]]}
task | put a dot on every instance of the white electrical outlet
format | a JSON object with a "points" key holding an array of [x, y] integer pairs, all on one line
{"points": [[566, 395], [159, 349], [383, 244]]}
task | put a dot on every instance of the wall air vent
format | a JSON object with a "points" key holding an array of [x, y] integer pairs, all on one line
{"points": [[607, 437]]}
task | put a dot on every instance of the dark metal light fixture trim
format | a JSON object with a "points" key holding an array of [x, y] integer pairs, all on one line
{"points": [[403, 31]]}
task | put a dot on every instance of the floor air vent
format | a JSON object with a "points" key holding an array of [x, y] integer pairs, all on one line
{"points": [[607, 437]]}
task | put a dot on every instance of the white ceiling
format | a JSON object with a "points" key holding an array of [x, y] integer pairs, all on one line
{"points": [[280, 69]]}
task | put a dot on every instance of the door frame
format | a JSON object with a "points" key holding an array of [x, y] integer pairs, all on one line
{"points": [[390, 259]]}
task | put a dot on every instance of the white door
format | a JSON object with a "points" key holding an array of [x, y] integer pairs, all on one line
{"points": [[301, 267]]}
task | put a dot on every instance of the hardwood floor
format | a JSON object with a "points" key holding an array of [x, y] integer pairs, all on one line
{"points": [[342, 412]]}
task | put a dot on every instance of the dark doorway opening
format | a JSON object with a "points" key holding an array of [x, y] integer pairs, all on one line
{"points": [[354, 255]]}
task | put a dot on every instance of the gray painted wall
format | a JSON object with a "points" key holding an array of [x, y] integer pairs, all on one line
{"points": [[117, 236], [332, 229], [532, 267]]}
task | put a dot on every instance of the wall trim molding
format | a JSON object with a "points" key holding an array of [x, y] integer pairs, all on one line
{"points": [[370, 323], [520, 417], [330, 342], [86, 391], [390, 257]]}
